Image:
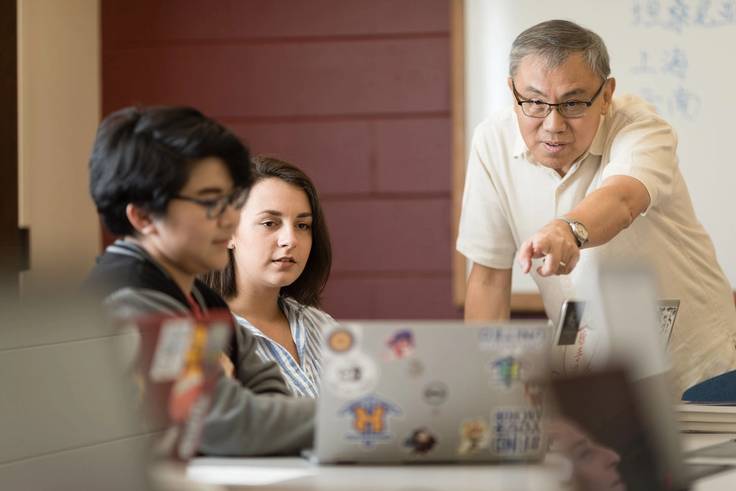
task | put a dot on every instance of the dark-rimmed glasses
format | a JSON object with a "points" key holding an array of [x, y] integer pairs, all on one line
{"points": [[216, 207], [535, 108]]}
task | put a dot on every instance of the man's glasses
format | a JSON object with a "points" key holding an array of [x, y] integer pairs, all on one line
{"points": [[569, 109], [217, 206]]}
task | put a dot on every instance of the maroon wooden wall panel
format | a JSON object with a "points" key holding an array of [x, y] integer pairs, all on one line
{"points": [[361, 77], [336, 155], [356, 92], [397, 297], [412, 155], [390, 235], [146, 21]]}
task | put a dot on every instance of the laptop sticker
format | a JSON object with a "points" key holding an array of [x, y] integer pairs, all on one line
{"points": [[350, 376], [340, 340], [499, 338], [401, 344], [506, 371], [667, 310], [421, 441], [435, 393], [171, 350], [370, 417], [474, 436], [516, 432]]}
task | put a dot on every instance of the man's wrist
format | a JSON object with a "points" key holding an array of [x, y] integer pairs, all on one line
{"points": [[578, 230]]}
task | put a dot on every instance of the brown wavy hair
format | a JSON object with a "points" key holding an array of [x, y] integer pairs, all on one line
{"points": [[308, 288]]}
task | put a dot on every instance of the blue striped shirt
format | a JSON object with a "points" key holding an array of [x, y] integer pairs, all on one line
{"points": [[307, 324]]}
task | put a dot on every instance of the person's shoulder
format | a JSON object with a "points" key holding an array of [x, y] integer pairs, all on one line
{"points": [[629, 108], [121, 267], [500, 122], [313, 315], [211, 298], [128, 282]]}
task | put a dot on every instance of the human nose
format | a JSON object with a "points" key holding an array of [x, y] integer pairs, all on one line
{"points": [[287, 237], [554, 122], [612, 457]]}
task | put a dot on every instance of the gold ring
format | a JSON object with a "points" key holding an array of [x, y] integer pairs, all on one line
{"points": [[563, 264]]}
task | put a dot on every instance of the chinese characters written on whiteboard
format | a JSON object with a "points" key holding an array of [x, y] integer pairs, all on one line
{"points": [[678, 15], [671, 63], [656, 65]]}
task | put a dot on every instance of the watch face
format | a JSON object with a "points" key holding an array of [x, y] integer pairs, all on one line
{"points": [[580, 232]]}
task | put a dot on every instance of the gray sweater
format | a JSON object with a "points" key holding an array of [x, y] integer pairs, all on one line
{"points": [[252, 413]]}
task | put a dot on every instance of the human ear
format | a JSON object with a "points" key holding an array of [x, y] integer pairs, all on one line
{"points": [[140, 219], [608, 95]]}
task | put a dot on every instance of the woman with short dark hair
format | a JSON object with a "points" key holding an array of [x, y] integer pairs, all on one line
{"points": [[280, 258]]}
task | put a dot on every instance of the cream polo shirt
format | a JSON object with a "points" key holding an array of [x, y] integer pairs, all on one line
{"points": [[508, 197]]}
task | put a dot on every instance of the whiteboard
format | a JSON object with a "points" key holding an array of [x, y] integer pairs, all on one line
{"points": [[680, 55]]}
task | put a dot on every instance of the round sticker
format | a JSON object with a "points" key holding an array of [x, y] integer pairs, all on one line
{"points": [[351, 376], [340, 340], [420, 441], [435, 393]]}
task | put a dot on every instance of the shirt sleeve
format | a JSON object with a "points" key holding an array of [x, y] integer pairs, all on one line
{"points": [[484, 234], [252, 414], [254, 373], [241, 422], [645, 149]]}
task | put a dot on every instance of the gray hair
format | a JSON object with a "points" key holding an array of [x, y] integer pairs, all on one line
{"points": [[555, 40]]}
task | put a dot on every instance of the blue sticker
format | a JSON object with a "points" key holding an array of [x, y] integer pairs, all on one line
{"points": [[401, 344], [370, 419], [506, 370], [516, 431]]}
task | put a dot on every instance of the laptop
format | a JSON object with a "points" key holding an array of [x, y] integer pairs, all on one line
{"points": [[431, 391], [622, 408], [578, 347]]}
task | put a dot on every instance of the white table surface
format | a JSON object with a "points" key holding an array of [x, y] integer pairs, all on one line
{"points": [[293, 473]]}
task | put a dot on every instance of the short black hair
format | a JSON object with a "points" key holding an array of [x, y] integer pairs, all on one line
{"points": [[144, 155], [307, 289]]}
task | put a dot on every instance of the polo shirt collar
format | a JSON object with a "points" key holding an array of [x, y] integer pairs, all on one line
{"points": [[596, 146]]}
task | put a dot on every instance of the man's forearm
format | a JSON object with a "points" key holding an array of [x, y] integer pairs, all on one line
{"points": [[611, 208], [488, 296]]}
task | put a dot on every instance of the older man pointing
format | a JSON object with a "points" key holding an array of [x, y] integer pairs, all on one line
{"points": [[570, 174]]}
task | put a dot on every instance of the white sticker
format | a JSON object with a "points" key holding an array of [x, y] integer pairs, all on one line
{"points": [[350, 376], [503, 338], [516, 431], [173, 344], [589, 352]]}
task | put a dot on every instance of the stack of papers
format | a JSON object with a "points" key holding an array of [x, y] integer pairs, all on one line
{"points": [[707, 418]]}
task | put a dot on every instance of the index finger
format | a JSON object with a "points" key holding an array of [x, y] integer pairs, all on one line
{"points": [[525, 256]]}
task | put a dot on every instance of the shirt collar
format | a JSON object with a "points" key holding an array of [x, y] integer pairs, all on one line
{"points": [[520, 149], [596, 146]]}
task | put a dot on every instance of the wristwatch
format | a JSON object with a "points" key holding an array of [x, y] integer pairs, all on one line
{"points": [[579, 231]]}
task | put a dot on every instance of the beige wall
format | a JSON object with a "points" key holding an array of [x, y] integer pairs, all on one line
{"points": [[59, 108]]}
